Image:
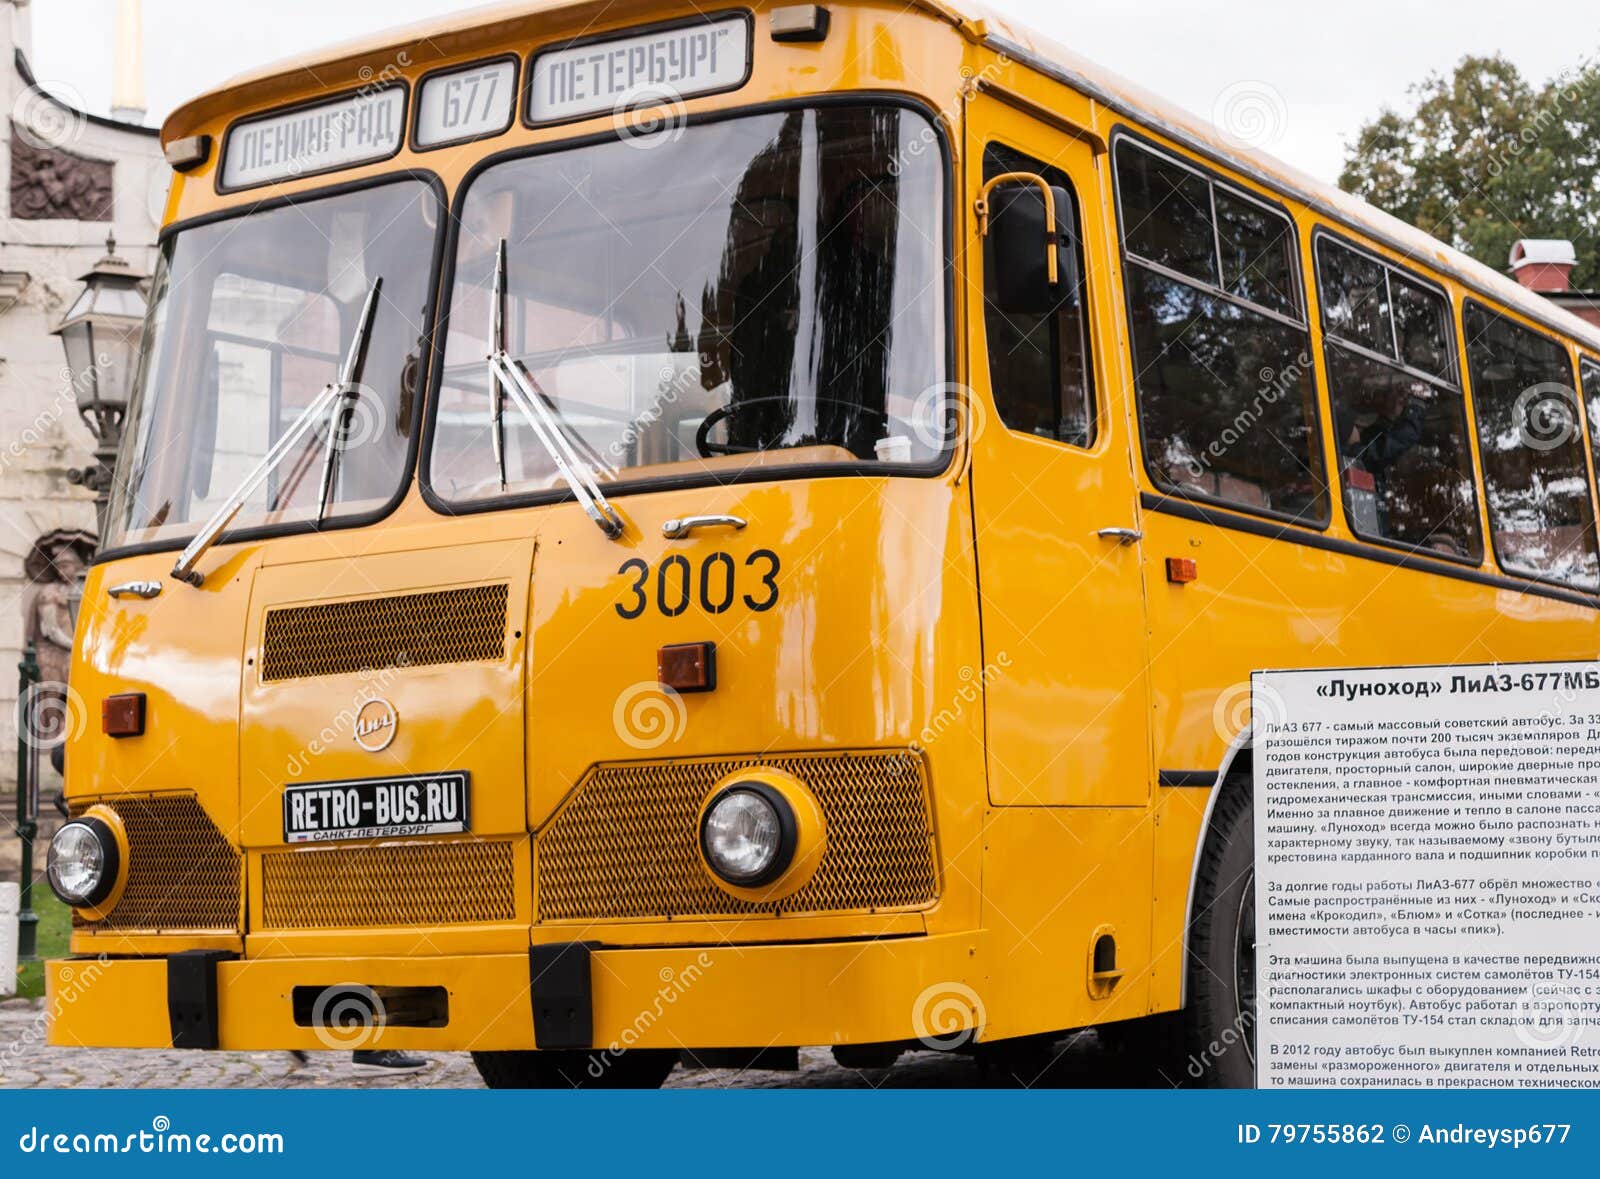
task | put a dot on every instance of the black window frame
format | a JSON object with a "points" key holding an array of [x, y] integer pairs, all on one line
{"points": [[1454, 348], [1125, 134], [1588, 365], [1095, 411], [1567, 347]]}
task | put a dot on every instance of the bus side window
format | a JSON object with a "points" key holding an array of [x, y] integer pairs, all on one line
{"points": [[1221, 347], [1039, 365], [1398, 413], [1541, 509]]}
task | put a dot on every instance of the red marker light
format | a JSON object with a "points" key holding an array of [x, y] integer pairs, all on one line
{"points": [[1182, 570], [687, 667], [123, 715]]}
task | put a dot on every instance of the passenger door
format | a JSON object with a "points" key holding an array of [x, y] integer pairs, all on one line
{"points": [[1055, 504]]}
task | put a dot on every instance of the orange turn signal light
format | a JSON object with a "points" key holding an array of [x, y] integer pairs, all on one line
{"points": [[123, 715], [1182, 570], [687, 667]]}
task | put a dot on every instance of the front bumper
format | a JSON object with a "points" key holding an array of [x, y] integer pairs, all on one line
{"points": [[852, 992]]}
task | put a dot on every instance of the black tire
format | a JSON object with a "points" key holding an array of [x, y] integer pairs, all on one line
{"points": [[1220, 1016], [1146, 1053], [636, 1069]]}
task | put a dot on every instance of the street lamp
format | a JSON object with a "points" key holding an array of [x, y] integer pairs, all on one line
{"points": [[100, 333]]}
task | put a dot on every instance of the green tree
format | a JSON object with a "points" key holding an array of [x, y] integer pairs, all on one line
{"points": [[1483, 158]]}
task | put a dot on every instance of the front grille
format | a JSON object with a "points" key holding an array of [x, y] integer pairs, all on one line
{"points": [[625, 846], [183, 874], [369, 634], [393, 884]]}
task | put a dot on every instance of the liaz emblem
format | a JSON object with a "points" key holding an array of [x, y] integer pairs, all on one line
{"points": [[376, 724]]}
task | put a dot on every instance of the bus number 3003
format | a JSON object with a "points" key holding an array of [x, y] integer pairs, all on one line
{"points": [[719, 583]]}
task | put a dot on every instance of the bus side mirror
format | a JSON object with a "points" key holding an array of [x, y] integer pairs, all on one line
{"points": [[1024, 241]]}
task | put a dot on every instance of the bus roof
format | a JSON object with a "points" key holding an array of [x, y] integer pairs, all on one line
{"points": [[491, 26]]}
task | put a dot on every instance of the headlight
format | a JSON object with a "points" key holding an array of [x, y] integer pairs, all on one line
{"points": [[83, 863], [748, 834]]}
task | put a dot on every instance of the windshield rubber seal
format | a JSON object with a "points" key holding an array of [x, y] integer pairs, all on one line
{"points": [[413, 441], [622, 488]]}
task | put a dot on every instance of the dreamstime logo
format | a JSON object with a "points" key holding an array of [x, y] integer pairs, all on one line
{"points": [[673, 386], [373, 96], [1274, 385], [973, 685], [1550, 1015], [45, 425], [675, 984], [50, 713], [49, 119], [1546, 416], [649, 117], [1250, 113], [648, 715], [348, 1017], [71, 982], [363, 420], [374, 682], [944, 412], [1240, 710], [1239, 1032], [390, 72], [946, 1016], [926, 140]]}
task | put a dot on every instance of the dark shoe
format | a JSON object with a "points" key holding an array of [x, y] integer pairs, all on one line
{"points": [[388, 1063]]}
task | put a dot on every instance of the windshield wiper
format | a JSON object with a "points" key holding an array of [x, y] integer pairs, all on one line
{"points": [[345, 404], [336, 396], [507, 376]]}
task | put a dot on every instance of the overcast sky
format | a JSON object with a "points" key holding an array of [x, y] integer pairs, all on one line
{"points": [[1312, 73]]}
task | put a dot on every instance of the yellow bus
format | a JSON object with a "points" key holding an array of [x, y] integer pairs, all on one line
{"points": [[652, 534]]}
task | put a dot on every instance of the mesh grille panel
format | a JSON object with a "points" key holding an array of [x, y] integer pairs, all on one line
{"points": [[367, 634], [183, 874], [400, 884], [625, 846]]}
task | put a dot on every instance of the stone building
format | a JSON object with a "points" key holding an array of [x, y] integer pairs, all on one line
{"points": [[72, 180]]}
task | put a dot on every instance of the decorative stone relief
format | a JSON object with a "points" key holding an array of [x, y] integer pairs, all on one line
{"points": [[51, 183]]}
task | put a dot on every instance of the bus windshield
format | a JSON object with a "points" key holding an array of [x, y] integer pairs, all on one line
{"points": [[705, 300], [249, 318]]}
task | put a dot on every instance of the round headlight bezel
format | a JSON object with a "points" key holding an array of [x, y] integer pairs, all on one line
{"points": [[110, 863], [788, 834]]}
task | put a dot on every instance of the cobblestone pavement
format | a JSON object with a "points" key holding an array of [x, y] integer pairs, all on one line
{"points": [[26, 1062]]}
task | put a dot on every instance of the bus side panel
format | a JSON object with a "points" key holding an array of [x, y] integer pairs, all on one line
{"points": [[1055, 879], [1261, 603]]}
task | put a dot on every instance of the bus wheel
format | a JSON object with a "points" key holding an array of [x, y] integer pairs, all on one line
{"points": [[1152, 1050], [1221, 1012], [637, 1069]]}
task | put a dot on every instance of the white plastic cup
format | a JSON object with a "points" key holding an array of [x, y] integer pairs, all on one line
{"points": [[10, 909], [894, 449]]}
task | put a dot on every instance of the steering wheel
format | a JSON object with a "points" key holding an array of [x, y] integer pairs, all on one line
{"points": [[709, 449]]}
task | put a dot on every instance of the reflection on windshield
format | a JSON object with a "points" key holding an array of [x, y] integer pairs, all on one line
{"points": [[759, 290], [249, 319]]}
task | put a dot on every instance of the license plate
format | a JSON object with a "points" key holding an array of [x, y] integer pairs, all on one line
{"points": [[376, 808]]}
